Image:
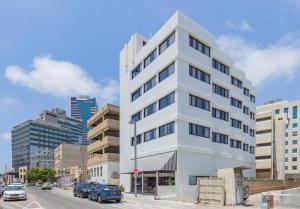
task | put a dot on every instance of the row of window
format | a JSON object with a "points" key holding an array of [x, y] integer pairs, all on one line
{"points": [[217, 113], [203, 131], [294, 142], [163, 130], [95, 172], [166, 72], [294, 167], [152, 56], [294, 150], [152, 108], [286, 110], [294, 159]]}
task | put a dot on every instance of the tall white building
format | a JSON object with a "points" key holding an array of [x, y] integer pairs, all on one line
{"points": [[195, 112]]}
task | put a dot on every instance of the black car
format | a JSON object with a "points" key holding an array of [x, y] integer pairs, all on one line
{"points": [[103, 192], [82, 189]]}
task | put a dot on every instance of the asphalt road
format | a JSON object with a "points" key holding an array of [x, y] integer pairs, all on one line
{"points": [[36, 198]]}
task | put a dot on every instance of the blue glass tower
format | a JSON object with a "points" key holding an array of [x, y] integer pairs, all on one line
{"points": [[83, 107]]}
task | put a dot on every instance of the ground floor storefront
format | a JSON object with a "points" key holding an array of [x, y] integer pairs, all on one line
{"points": [[148, 182]]}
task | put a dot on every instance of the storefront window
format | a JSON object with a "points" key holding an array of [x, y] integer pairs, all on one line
{"points": [[167, 179]]}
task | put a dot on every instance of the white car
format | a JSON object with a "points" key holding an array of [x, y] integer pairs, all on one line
{"points": [[14, 192]]}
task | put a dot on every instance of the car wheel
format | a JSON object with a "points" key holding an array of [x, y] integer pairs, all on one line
{"points": [[100, 199], [81, 195], [74, 194], [119, 200]]}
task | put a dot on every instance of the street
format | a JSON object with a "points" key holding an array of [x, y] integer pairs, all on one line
{"points": [[58, 198], [54, 200]]}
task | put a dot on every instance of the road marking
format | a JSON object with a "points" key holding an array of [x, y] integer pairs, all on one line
{"points": [[27, 206]]}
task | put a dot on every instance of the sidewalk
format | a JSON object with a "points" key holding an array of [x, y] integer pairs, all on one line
{"points": [[148, 202]]}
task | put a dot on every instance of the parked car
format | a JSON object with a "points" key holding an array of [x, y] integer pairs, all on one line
{"points": [[82, 189], [46, 186], [1, 190], [102, 192], [38, 184], [14, 192]]}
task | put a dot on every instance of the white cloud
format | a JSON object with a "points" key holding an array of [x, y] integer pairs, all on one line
{"points": [[242, 26], [262, 63], [61, 78], [5, 136]]}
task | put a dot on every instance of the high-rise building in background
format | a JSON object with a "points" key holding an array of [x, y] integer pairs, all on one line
{"points": [[103, 151], [32, 138], [83, 107], [277, 140], [194, 111]]}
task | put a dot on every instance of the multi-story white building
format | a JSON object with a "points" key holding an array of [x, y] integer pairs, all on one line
{"points": [[277, 136], [195, 111]]}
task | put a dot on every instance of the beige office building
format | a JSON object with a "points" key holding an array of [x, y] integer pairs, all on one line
{"points": [[277, 146], [22, 173], [103, 152], [68, 157]]}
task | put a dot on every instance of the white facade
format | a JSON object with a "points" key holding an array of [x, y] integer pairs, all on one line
{"points": [[105, 173], [194, 155]]}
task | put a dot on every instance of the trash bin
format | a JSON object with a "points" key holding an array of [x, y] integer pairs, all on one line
{"points": [[267, 201]]}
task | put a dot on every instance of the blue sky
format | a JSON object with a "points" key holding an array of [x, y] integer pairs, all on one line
{"points": [[53, 49]]}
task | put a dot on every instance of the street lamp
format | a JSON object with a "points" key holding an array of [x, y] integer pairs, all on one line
{"points": [[133, 122]]}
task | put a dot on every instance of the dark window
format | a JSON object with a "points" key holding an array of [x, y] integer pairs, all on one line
{"points": [[236, 82], [236, 123], [219, 138], [167, 100], [136, 117], [246, 110], [252, 149], [220, 90], [252, 115], [295, 112], [235, 144], [199, 46], [150, 58], [150, 109], [199, 74], [199, 102], [246, 92], [236, 103], [138, 139], [220, 114], [167, 129], [198, 130], [220, 66], [245, 147], [136, 71], [252, 98], [166, 72], [136, 94], [245, 129], [150, 135], [150, 84], [166, 43]]}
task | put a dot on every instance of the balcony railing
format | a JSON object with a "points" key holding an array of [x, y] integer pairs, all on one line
{"points": [[105, 125], [105, 142], [263, 164], [99, 158], [263, 151]]}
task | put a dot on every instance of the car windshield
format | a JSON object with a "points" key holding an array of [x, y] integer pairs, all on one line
{"points": [[86, 186], [111, 187], [14, 188]]}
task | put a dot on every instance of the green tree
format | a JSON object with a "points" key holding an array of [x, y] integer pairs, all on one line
{"points": [[40, 174]]}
